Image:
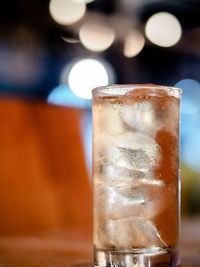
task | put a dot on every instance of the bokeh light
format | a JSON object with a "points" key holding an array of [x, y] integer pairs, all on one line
{"points": [[96, 37], [70, 40], [85, 1], [67, 12], [133, 43], [163, 29], [190, 95], [87, 74]]}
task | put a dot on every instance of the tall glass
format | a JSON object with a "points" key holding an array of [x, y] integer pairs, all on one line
{"points": [[136, 175]]}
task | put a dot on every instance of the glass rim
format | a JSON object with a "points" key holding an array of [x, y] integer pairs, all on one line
{"points": [[113, 89]]}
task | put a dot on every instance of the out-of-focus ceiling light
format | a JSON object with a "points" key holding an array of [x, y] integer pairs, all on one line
{"points": [[67, 12], [84, 1], [70, 40], [133, 43], [96, 37], [163, 29], [85, 75]]}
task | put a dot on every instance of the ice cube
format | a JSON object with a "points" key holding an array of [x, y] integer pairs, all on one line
{"points": [[116, 198], [119, 174], [136, 141], [140, 116], [129, 150], [116, 176], [148, 228], [126, 195], [129, 233], [136, 159], [123, 158], [151, 181], [107, 118], [117, 202]]}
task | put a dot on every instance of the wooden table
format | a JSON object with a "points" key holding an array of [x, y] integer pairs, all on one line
{"points": [[190, 241], [53, 248], [73, 247]]}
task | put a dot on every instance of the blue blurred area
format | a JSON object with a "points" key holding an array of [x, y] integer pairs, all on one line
{"points": [[63, 96], [190, 102], [87, 140], [190, 122]]}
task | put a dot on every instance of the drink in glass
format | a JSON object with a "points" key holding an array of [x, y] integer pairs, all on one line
{"points": [[136, 175]]}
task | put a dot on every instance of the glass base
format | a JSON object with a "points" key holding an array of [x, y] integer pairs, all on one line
{"points": [[156, 257]]}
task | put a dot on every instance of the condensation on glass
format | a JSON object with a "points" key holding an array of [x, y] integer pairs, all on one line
{"points": [[136, 175]]}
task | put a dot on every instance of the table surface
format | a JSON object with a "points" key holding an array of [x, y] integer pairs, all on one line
{"points": [[73, 247]]}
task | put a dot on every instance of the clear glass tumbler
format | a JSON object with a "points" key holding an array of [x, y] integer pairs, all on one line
{"points": [[136, 175]]}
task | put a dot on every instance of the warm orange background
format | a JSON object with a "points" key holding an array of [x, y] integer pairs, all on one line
{"points": [[43, 177]]}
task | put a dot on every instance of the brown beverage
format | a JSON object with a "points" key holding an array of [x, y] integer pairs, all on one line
{"points": [[136, 175]]}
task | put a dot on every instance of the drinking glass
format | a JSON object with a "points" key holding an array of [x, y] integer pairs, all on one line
{"points": [[136, 175]]}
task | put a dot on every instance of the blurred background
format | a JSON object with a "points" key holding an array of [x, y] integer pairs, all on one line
{"points": [[52, 53]]}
